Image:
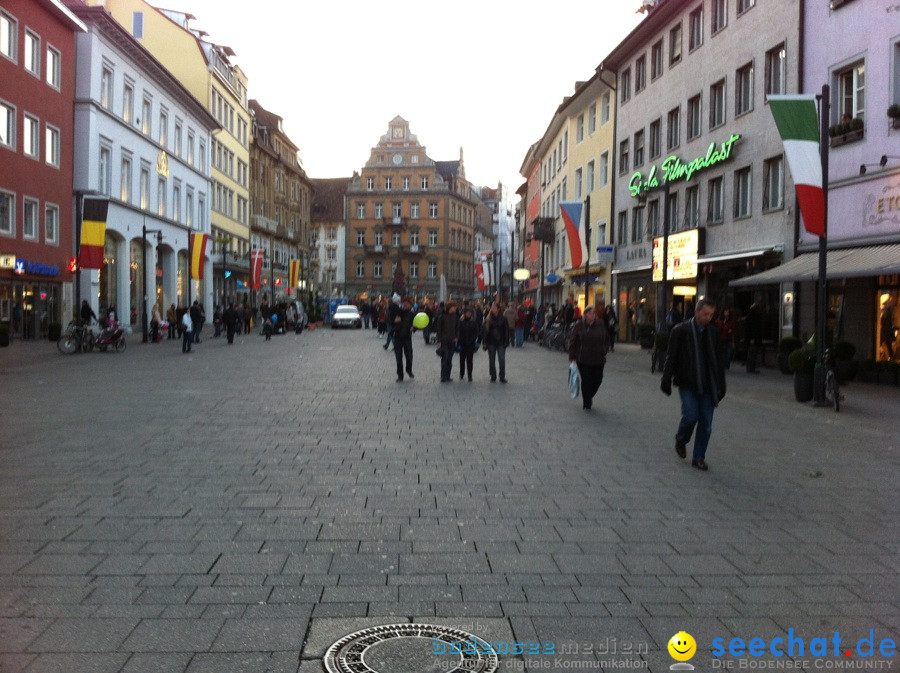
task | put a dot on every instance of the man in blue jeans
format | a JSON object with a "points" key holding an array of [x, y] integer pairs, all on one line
{"points": [[696, 364]]}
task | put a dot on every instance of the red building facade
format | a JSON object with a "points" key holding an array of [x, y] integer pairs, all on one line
{"points": [[37, 90]]}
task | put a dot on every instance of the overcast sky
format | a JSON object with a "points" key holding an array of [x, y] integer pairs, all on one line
{"points": [[484, 75]]}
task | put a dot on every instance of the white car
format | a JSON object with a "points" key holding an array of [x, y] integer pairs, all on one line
{"points": [[346, 316]]}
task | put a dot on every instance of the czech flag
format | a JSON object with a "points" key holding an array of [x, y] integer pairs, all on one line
{"points": [[93, 233], [295, 273], [571, 214], [798, 125], [198, 255]]}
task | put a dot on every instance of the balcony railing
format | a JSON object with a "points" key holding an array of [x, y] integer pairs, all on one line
{"points": [[264, 223], [396, 221]]}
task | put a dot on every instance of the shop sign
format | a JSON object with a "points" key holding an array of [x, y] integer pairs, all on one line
{"points": [[684, 248], [7, 261], [674, 168], [23, 266], [884, 208]]}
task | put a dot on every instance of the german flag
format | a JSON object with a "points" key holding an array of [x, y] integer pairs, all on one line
{"points": [[198, 254], [93, 233], [295, 273]]}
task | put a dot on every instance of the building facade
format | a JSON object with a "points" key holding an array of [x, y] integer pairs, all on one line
{"points": [[280, 198], [140, 141], [329, 237], [696, 149], [37, 68], [407, 209], [207, 71], [854, 47]]}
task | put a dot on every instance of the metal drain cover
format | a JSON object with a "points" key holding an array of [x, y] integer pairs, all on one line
{"points": [[411, 648]]}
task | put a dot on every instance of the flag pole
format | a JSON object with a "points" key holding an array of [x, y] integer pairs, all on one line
{"points": [[821, 366], [587, 239]]}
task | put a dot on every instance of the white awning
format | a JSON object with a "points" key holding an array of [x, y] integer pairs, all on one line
{"points": [[725, 256], [874, 260], [633, 269]]}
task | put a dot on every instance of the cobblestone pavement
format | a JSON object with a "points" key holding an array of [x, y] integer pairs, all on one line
{"points": [[241, 508]]}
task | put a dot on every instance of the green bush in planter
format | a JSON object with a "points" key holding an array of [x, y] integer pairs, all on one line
{"points": [[789, 344], [54, 331], [802, 361]]}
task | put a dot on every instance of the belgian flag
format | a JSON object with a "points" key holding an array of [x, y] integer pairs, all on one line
{"points": [[93, 233]]}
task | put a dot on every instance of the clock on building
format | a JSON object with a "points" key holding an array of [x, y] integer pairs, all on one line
{"points": [[397, 132], [397, 159]]}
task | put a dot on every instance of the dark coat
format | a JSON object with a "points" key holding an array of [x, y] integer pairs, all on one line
{"points": [[446, 327], [681, 359], [402, 329], [589, 344], [468, 334], [498, 332]]}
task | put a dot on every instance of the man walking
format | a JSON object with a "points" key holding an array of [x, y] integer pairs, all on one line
{"points": [[401, 326], [695, 363]]}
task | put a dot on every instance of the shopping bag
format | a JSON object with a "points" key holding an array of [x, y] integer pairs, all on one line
{"points": [[574, 380]]}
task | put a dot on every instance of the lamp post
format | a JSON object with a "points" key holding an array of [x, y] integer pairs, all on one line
{"points": [[144, 232]]}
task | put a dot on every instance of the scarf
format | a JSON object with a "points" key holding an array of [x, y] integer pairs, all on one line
{"points": [[708, 354]]}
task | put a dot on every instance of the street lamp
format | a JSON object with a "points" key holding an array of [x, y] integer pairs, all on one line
{"points": [[159, 237], [521, 275]]}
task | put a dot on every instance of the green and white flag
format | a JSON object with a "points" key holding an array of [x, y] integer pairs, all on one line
{"points": [[798, 124]]}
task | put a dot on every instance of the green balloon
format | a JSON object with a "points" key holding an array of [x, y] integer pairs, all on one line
{"points": [[421, 321]]}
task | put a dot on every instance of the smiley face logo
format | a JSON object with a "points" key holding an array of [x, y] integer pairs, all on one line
{"points": [[682, 646]]}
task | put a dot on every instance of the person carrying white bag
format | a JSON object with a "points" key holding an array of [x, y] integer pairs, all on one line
{"points": [[588, 347]]}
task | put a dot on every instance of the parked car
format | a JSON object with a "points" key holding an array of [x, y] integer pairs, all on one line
{"points": [[346, 316]]}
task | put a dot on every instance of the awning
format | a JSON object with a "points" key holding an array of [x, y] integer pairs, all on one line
{"points": [[633, 270], [724, 257], [845, 263]]}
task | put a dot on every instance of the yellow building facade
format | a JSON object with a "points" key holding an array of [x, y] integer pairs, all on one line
{"points": [[206, 70]]}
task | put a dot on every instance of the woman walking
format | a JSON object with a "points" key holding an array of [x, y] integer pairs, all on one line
{"points": [[447, 329], [468, 342], [588, 346], [496, 337]]}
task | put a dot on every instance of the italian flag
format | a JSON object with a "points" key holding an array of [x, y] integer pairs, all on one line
{"points": [[798, 124]]}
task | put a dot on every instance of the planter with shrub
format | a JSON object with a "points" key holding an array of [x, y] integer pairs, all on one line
{"points": [[785, 347], [846, 132], [803, 363]]}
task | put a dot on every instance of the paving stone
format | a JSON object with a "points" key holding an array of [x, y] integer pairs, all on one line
{"points": [[83, 635], [173, 635]]}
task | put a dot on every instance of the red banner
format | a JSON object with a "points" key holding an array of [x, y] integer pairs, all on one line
{"points": [[256, 264], [479, 275]]}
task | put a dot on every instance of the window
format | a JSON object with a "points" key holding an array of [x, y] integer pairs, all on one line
{"points": [[742, 193], [7, 126], [637, 225], [9, 37], [202, 152], [653, 219], [379, 209], [395, 239], [161, 198], [414, 238], [360, 238], [640, 74], [31, 140], [432, 269], [377, 269], [7, 213], [145, 186], [716, 206], [395, 209], [656, 60], [379, 238], [589, 177], [176, 201], [604, 109], [127, 101], [414, 209], [743, 83], [592, 118], [432, 209], [413, 269], [719, 15], [32, 54], [424, 182], [164, 129], [776, 71], [432, 237], [579, 128], [406, 184], [360, 269], [852, 91], [639, 148], [137, 25], [103, 170], [673, 212], [655, 138], [623, 228], [106, 84], [388, 184], [54, 74], [30, 219], [773, 183], [176, 140], [51, 145], [370, 184], [625, 85], [694, 117], [717, 104], [673, 128], [623, 156], [695, 26], [189, 207], [744, 5], [146, 112], [579, 174], [51, 223], [675, 45], [603, 178], [692, 207]]}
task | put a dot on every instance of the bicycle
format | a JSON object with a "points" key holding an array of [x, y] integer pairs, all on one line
{"points": [[832, 389], [77, 337]]}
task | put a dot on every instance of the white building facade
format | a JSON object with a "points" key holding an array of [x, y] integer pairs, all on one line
{"points": [[142, 140]]}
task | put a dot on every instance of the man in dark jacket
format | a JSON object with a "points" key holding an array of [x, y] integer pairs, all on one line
{"points": [[447, 328], [401, 326], [230, 318], [588, 346], [695, 363]]}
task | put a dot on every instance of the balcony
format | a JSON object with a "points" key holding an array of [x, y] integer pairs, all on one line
{"points": [[414, 249], [264, 223], [395, 221]]}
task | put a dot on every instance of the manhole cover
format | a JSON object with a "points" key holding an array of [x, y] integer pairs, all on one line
{"points": [[411, 648]]}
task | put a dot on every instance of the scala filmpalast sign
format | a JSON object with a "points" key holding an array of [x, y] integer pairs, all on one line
{"points": [[674, 168]]}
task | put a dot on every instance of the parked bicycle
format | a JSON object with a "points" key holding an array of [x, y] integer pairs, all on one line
{"points": [[832, 389], [77, 337]]}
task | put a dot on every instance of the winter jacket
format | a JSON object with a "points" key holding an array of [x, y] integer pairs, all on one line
{"points": [[682, 367], [497, 334], [588, 344], [446, 327]]}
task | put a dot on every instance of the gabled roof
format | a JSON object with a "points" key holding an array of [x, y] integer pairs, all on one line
{"points": [[449, 170], [328, 199]]}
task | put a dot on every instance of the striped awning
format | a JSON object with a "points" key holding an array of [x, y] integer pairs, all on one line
{"points": [[873, 260]]}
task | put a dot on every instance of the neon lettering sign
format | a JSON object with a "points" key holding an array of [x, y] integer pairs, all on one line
{"points": [[674, 168]]}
